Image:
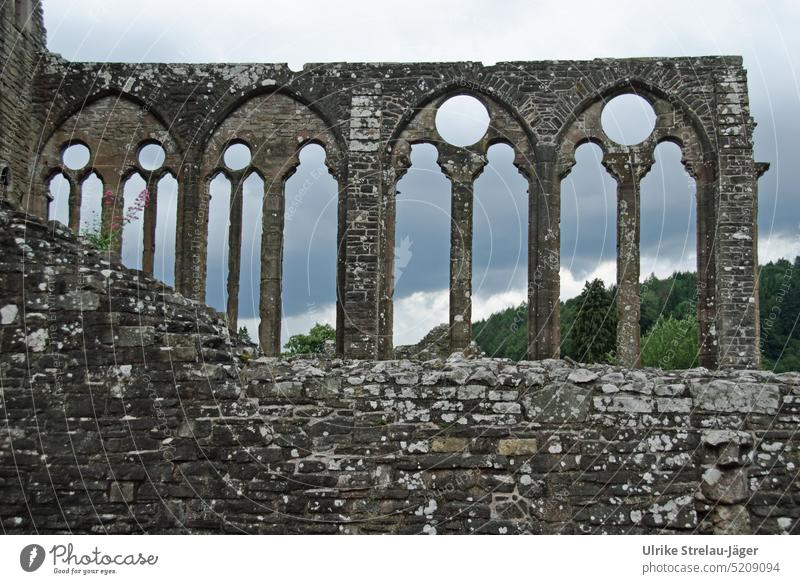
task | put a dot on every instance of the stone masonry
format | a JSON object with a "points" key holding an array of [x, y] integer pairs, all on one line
{"points": [[366, 116], [127, 408]]}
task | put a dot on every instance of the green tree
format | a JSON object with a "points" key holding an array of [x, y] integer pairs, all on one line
{"points": [[244, 335], [313, 342], [671, 344], [594, 327]]}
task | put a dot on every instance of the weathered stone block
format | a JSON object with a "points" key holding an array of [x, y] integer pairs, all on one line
{"points": [[731, 396], [517, 446]]}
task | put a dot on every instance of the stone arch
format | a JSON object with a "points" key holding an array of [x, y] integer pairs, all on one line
{"points": [[114, 126], [677, 123], [462, 165], [275, 126]]}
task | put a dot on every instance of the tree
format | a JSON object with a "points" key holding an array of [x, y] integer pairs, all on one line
{"points": [[671, 344], [244, 335], [594, 328], [313, 342]]}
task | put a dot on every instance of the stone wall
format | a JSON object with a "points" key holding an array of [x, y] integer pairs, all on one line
{"points": [[21, 49], [126, 408]]}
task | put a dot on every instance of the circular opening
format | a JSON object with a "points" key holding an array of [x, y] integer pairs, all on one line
{"points": [[237, 156], [152, 156], [628, 119], [462, 120], [76, 156]]}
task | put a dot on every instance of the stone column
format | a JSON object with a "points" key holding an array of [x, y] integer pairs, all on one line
{"points": [[544, 256], [628, 168], [234, 250], [341, 263], [75, 196], [191, 239], [400, 165], [364, 222], [149, 223], [270, 304], [704, 176], [112, 213], [736, 248], [462, 169]]}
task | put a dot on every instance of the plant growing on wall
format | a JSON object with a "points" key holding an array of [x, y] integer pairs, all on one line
{"points": [[107, 241]]}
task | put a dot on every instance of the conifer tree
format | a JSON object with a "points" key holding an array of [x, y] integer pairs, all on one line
{"points": [[594, 328]]}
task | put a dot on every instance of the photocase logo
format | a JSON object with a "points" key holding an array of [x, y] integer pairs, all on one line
{"points": [[31, 557], [402, 257]]}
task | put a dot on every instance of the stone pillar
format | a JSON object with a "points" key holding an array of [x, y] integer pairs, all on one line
{"points": [[75, 196], [400, 165], [736, 239], [270, 304], [235, 251], [341, 263], [628, 168], [544, 256], [113, 211], [149, 223], [462, 169], [364, 223], [705, 181], [191, 239]]}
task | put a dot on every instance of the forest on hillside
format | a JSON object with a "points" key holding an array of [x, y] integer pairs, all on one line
{"points": [[668, 319]]}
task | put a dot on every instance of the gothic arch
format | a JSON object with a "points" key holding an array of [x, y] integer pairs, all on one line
{"points": [[677, 123], [259, 121], [462, 165]]}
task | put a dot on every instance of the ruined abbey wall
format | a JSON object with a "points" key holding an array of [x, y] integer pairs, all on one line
{"points": [[127, 408], [366, 116]]}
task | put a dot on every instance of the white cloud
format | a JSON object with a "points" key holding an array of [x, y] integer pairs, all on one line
{"points": [[777, 246], [417, 314]]}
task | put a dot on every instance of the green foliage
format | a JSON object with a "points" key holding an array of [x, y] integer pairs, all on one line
{"points": [[779, 297], [671, 344], [505, 334], [313, 342], [244, 334], [101, 241], [593, 333]]}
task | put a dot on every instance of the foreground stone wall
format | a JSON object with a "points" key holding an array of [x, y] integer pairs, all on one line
{"points": [[126, 408]]}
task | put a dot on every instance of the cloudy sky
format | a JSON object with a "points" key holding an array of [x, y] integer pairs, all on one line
{"points": [[764, 32]]}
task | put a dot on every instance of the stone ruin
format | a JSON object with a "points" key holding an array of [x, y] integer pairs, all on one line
{"points": [[129, 406], [366, 116]]}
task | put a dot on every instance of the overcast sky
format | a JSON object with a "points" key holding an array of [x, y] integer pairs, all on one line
{"points": [[764, 33]]}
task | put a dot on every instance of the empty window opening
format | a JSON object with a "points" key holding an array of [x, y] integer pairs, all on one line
{"points": [[237, 156], [422, 248], [133, 221], [166, 229], [91, 204], [310, 245], [219, 214], [59, 199], [668, 235], [250, 259], [76, 156], [462, 120], [500, 251], [152, 156], [628, 119], [588, 241]]}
